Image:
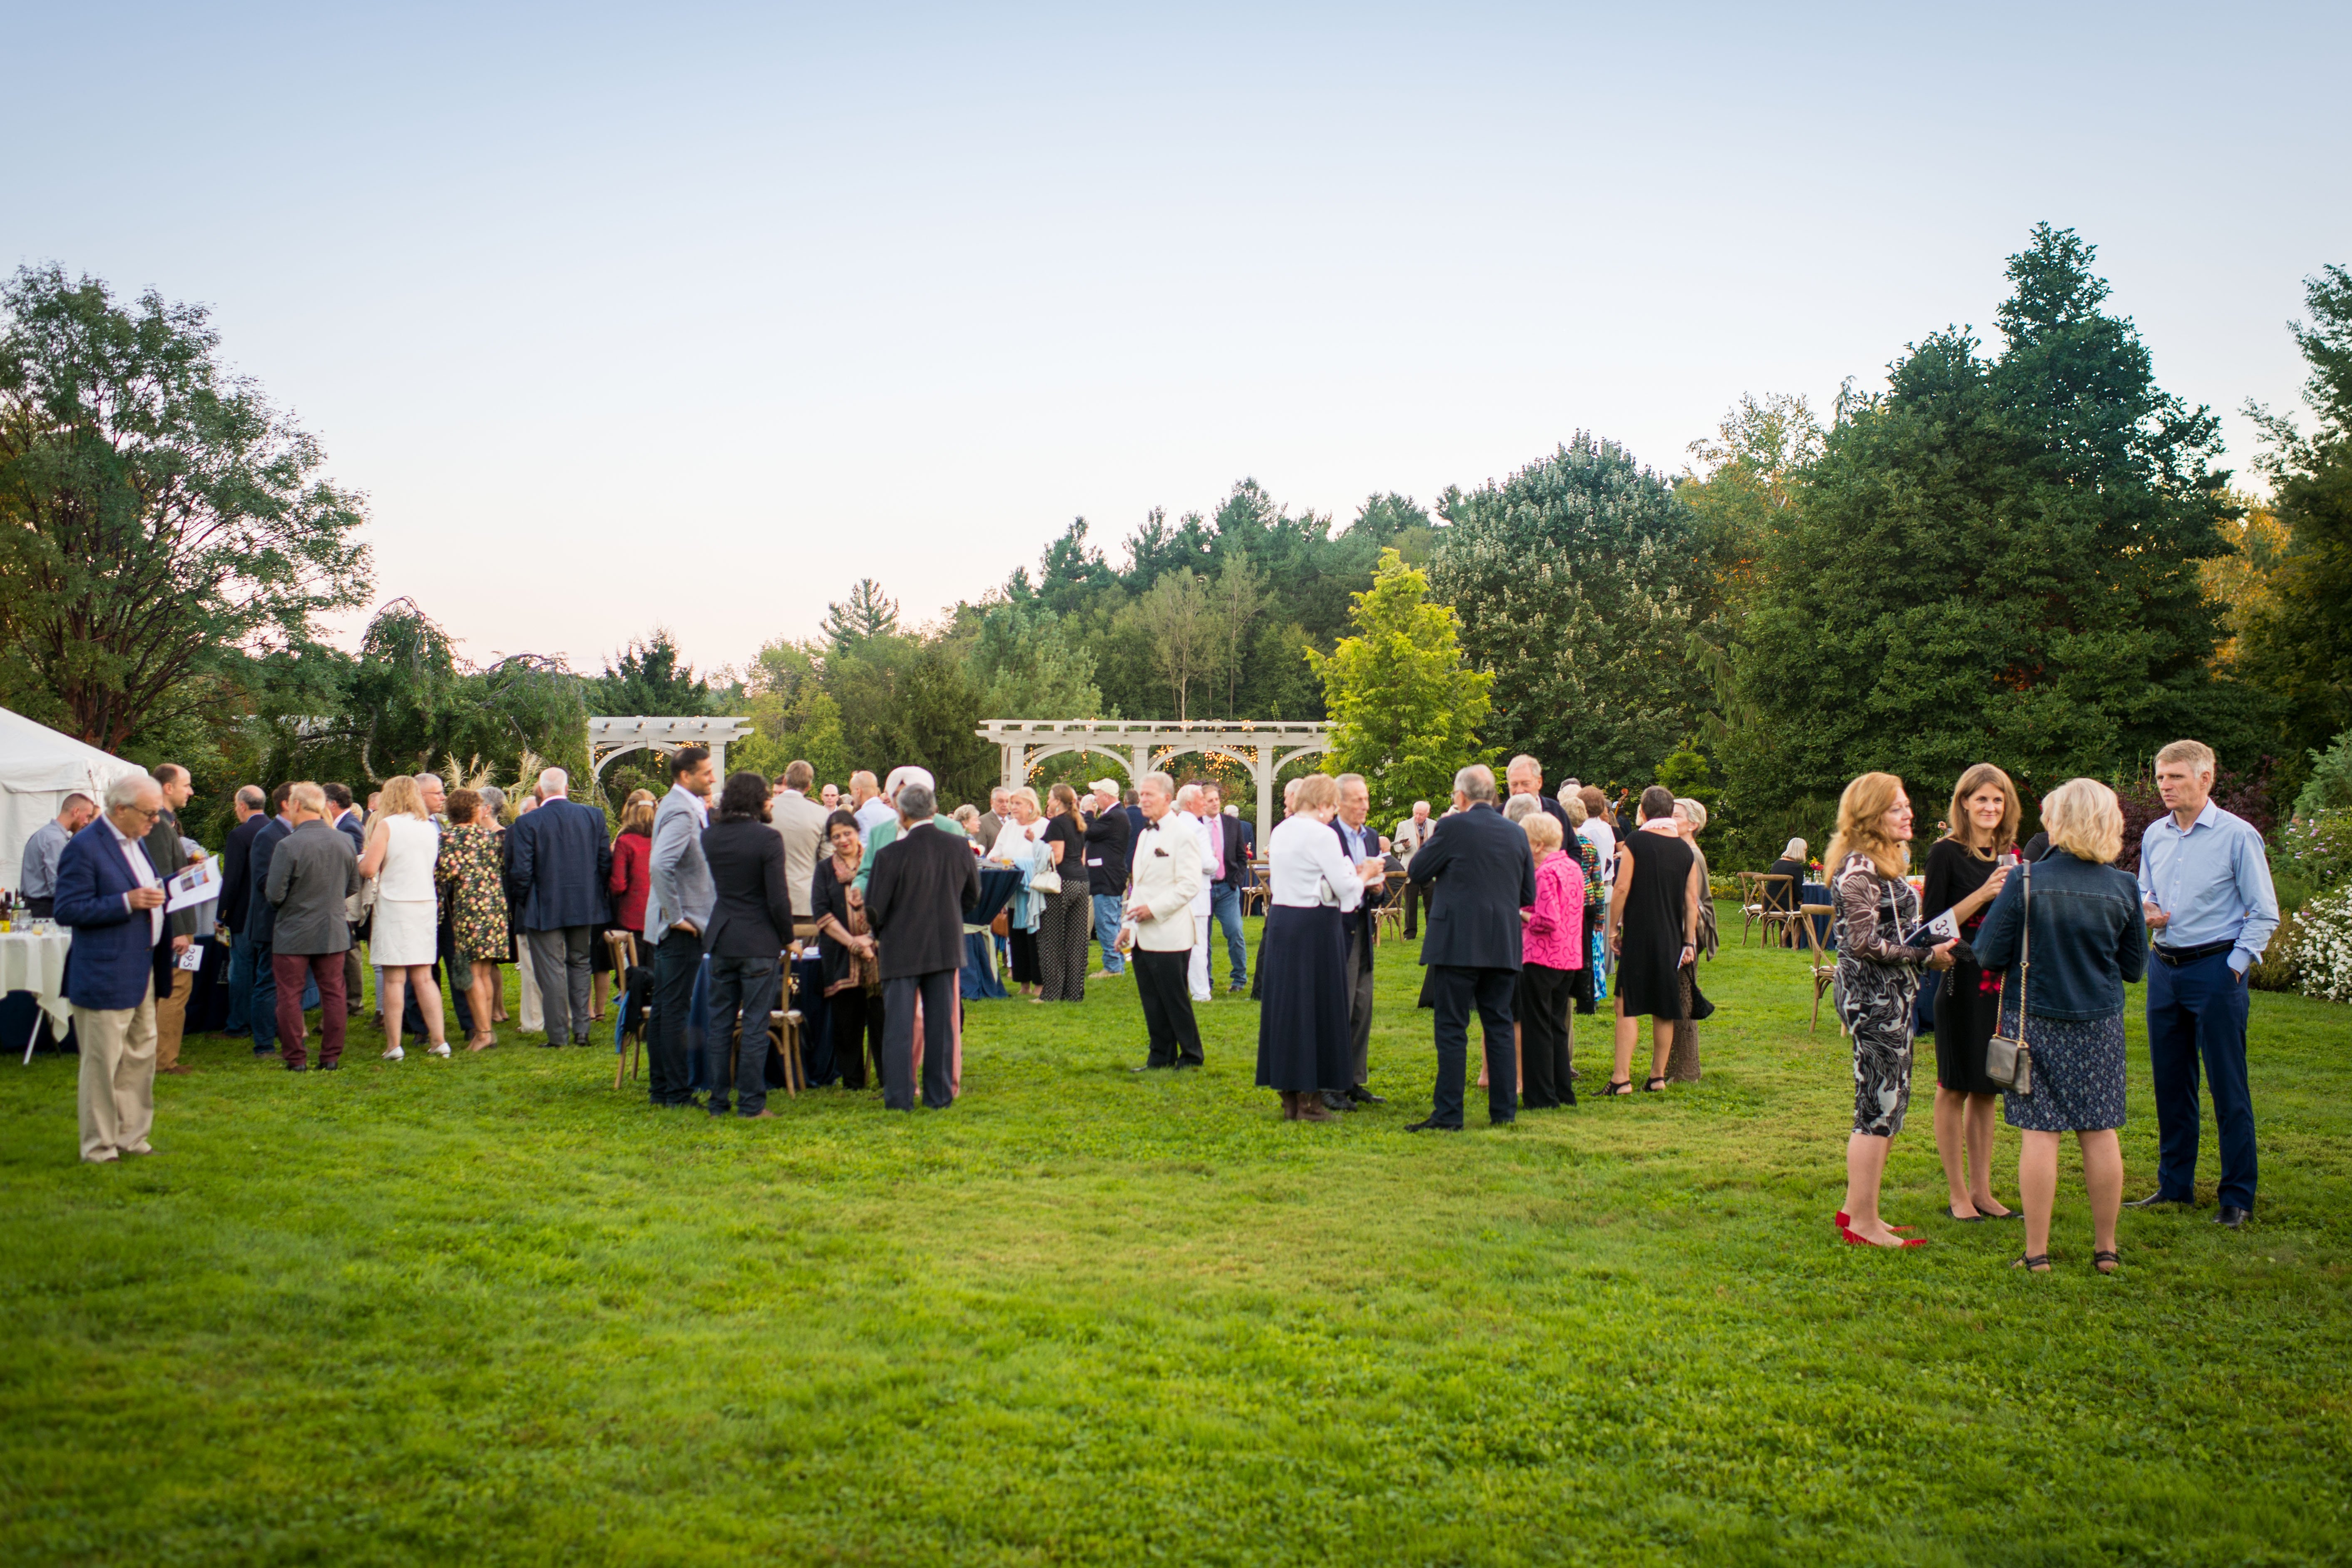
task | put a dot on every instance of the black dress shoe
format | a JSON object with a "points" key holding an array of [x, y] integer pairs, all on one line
{"points": [[583, 1040], [1153, 1067], [1363, 1096], [1432, 1125], [298, 1067], [2232, 1217], [2160, 1200], [335, 1066], [1337, 1099], [550, 1044]]}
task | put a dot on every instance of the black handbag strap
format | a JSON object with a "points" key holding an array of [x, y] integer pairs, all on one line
{"points": [[2025, 955]]}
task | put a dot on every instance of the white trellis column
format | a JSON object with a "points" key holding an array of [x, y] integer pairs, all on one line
{"points": [[1263, 746], [610, 738]]}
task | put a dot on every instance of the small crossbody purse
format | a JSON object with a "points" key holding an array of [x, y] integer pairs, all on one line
{"points": [[2010, 1062]]}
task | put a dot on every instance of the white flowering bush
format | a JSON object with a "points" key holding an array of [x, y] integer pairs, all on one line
{"points": [[2323, 947]]}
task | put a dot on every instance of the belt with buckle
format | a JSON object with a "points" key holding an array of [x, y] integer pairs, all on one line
{"points": [[2177, 956]]}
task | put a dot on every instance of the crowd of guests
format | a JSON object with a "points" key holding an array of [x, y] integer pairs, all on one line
{"points": [[714, 902]]}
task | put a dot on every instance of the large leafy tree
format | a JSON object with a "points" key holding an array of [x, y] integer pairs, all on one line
{"points": [[1578, 583], [2297, 643], [1995, 560], [1405, 706], [161, 525], [793, 716], [651, 676]]}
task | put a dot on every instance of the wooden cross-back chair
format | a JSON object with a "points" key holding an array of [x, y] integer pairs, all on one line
{"points": [[624, 947], [1388, 919], [1822, 961], [1769, 900]]}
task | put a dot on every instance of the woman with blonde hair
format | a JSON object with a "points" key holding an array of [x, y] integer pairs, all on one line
{"points": [[403, 853], [2073, 924], [1017, 845], [1877, 986], [1303, 1048], [1966, 870], [1682, 1060]]}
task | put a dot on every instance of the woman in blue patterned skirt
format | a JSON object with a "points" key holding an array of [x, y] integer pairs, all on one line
{"points": [[2085, 940]]}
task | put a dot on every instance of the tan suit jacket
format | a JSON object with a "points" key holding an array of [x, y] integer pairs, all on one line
{"points": [[800, 823]]}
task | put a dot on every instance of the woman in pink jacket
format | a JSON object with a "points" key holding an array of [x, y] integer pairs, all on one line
{"points": [[1553, 945]]}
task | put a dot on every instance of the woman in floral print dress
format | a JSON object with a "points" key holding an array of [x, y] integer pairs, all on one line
{"points": [[473, 880]]}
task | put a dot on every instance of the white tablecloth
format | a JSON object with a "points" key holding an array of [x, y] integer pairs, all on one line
{"points": [[35, 961]]}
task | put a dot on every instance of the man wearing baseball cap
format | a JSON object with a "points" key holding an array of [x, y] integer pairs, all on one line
{"points": [[1106, 846]]}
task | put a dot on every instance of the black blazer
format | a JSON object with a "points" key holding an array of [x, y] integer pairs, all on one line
{"points": [[1108, 837], [753, 915], [1483, 874], [923, 882], [260, 914], [1234, 872], [236, 885]]}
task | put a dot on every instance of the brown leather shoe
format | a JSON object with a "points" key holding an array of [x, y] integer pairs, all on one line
{"points": [[1311, 1107], [176, 1069], [762, 1114], [1289, 1105]]}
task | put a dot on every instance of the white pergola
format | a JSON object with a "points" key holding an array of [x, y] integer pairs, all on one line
{"points": [[1140, 747], [610, 738]]}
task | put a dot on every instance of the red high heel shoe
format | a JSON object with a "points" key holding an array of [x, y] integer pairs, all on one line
{"points": [[1841, 1220], [1854, 1238]]}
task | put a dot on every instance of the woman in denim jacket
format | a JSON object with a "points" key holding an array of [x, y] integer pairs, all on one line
{"points": [[2090, 939]]}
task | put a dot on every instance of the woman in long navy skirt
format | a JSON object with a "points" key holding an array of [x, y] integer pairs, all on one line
{"points": [[1303, 1044]]}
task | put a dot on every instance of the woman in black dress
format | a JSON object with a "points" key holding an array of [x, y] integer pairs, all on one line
{"points": [[1653, 916], [852, 982], [1965, 870], [1303, 1045], [1069, 914]]}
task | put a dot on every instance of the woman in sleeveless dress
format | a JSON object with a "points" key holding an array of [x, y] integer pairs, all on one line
{"points": [[403, 849], [1653, 916]]}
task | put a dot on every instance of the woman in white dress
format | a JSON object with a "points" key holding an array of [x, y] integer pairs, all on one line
{"points": [[403, 845]]}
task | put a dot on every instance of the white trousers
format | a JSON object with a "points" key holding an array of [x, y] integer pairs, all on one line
{"points": [[1199, 972]]}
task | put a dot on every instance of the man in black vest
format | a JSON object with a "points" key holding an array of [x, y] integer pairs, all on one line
{"points": [[1481, 875]]}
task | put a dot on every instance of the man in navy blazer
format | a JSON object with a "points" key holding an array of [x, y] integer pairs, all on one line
{"points": [[559, 860], [261, 923], [1480, 874], [110, 894]]}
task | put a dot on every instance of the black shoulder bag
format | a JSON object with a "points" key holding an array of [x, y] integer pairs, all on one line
{"points": [[2010, 1062]]}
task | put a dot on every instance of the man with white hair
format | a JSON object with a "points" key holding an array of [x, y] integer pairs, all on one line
{"points": [[1485, 875], [559, 864], [1524, 775], [1158, 910], [109, 894], [1409, 836], [1106, 843], [924, 884], [1191, 803], [882, 833]]}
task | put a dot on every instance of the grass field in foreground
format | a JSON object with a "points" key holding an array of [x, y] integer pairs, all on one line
{"points": [[490, 1311]]}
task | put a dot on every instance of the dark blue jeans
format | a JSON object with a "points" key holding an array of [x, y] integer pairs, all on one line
{"points": [[241, 986], [1456, 992], [1226, 910], [2197, 1012], [748, 984], [261, 1000]]}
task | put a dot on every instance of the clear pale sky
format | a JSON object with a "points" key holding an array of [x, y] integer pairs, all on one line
{"points": [[692, 315]]}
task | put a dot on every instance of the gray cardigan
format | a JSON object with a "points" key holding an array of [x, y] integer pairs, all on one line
{"points": [[311, 874]]}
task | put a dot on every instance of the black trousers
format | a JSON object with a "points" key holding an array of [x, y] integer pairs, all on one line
{"points": [[1542, 1003], [856, 1019], [746, 985], [667, 1072], [1416, 898], [1456, 991], [936, 990], [1163, 984], [1360, 1004]]}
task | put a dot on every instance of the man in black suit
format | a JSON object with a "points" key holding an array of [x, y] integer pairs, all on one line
{"points": [[261, 923], [1482, 875], [1108, 834], [924, 880], [237, 887], [750, 924], [559, 861]]}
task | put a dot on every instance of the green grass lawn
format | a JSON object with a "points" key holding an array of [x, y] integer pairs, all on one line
{"points": [[490, 1311]]}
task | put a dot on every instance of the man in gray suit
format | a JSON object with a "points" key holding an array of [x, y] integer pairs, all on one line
{"points": [[312, 872], [679, 900]]}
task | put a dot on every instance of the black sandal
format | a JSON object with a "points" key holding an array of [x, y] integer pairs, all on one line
{"points": [[1651, 1086], [1617, 1085], [2100, 1260], [2035, 1263], [1964, 1218]]}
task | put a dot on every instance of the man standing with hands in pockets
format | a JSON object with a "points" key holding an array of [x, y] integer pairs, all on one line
{"points": [[2205, 884]]}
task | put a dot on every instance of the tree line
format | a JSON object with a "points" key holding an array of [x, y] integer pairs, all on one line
{"points": [[2020, 548]]}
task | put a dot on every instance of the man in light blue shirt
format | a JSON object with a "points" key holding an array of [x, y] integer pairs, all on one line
{"points": [[37, 879], [2206, 884]]}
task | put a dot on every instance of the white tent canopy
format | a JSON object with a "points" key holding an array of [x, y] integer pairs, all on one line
{"points": [[39, 768]]}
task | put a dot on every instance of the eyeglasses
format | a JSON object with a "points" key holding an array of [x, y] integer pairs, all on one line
{"points": [[150, 812]]}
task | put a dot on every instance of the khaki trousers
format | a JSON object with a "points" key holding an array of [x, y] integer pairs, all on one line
{"points": [[172, 1018], [117, 1090]]}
